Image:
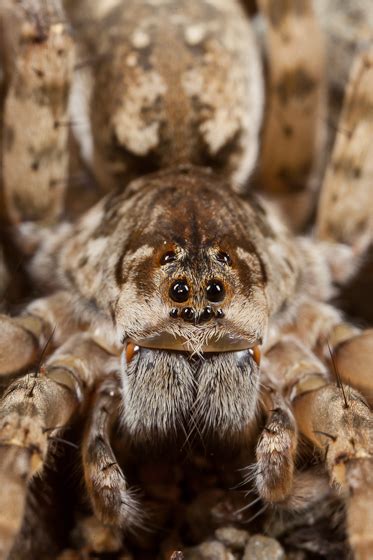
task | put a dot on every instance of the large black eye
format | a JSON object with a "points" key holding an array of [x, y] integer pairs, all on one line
{"points": [[224, 258], [168, 257], [215, 291], [179, 291]]}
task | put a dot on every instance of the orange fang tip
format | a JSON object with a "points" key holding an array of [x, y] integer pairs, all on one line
{"points": [[131, 350], [256, 354]]}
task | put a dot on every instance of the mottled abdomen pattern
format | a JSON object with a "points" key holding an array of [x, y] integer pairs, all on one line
{"points": [[184, 85]]}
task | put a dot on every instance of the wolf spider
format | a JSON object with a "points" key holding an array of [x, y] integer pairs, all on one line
{"points": [[160, 298]]}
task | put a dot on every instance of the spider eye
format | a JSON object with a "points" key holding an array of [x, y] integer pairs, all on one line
{"points": [[188, 314], [215, 291], [224, 258], [168, 257], [179, 291], [207, 314]]}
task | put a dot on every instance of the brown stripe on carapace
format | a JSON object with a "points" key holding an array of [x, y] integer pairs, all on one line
{"points": [[110, 218], [194, 210], [118, 270], [241, 237], [261, 217], [249, 277], [143, 276]]}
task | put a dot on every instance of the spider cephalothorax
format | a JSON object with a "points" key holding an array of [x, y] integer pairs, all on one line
{"points": [[180, 261]]}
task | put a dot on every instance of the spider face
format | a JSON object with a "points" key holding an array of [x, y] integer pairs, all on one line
{"points": [[196, 285], [188, 277], [196, 362]]}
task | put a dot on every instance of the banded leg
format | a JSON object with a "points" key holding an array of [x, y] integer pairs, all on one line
{"points": [[23, 338], [338, 421], [275, 453], [294, 129], [314, 324], [353, 357], [39, 58], [345, 206], [348, 350], [38, 406], [112, 501], [289, 368], [14, 469]]}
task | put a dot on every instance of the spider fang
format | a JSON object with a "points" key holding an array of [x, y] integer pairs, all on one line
{"points": [[131, 350], [256, 354]]}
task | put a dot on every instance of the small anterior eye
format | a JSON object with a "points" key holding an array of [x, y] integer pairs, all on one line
{"points": [[215, 291], [207, 314], [224, 258], [168, 257], [179, 291], [188, 314]]}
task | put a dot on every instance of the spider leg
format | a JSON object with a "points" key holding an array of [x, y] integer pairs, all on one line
{"points": [[353, 357], [14, 467], [292, 368], [39, 57], [275, 453], [111, 500], [346, 348], [24, 337], [337, 420], [288, 368], [294, 130], [314, 323], [2, 101], [37, 407], [339, 423], [345, 206]]}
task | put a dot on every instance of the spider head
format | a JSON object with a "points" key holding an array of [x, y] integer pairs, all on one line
{"points": [[190, 276], [179, 261], [197, 288]]}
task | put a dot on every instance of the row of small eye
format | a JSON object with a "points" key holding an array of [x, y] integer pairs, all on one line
{"points": [[221, 256], [190, 314]]}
